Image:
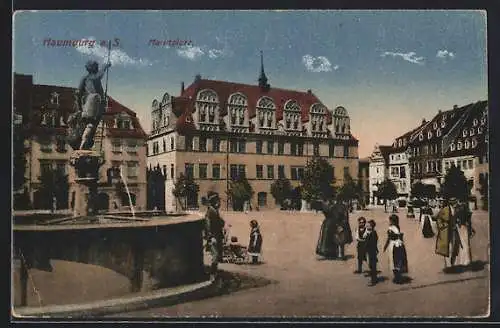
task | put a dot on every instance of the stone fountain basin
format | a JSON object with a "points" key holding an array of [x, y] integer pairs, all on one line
{"points": [[142, 254]]}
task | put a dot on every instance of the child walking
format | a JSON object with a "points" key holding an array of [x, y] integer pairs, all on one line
{"points": [[255, 245], [398, 260]]}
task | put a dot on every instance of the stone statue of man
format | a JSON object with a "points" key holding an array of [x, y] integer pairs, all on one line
{"points": [[91, 102]]}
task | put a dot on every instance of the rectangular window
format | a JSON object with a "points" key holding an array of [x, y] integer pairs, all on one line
{"points": [[172, 171], [202, 170], [258, 146], [471, 164], [132, 169], [293, 149], [233, 146], [189, 170], [242, 171], [259, 169], [300, 173], [464, 165], [216, 171], [270, 147], [293, 173], [172, 143], [402, 172], [189, 143], [203, 144], [165, 171], [131, 146], [346, 171], [216, 144], [61, 145], [300, 149], [346, 151], [270, 171], [316, 149], [234, 171], [242, 146], [281, 172], [117, 147], [281, 148], [331, 150], [395, 172]]}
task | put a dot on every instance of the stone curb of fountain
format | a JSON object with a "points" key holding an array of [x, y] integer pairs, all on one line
{"points": [[162, 297]]}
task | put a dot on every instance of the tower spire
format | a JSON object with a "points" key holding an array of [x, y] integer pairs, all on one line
{"points": [[262, 78]]}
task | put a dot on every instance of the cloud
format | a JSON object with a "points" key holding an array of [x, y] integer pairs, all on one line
{"points": [[190, 52], [336, 67], [444, 54], [117, 57], [409, 57], [317, 64], [196, 52]]}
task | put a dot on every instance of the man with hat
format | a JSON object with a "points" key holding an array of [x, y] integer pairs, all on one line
{"points": [[214, 230], [91, 101]]}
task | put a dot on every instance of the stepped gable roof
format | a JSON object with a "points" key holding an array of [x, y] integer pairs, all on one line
{"points": [[253, 93], [472, 133]]}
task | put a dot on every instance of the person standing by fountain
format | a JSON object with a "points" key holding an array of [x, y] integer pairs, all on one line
{"points": [[214, 231]]}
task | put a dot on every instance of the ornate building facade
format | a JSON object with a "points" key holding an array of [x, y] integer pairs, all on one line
{"points": [[215, 131], [120, 138], [378, 170]]}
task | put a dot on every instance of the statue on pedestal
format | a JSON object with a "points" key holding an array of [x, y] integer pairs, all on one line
{"points": [[90, 102]]}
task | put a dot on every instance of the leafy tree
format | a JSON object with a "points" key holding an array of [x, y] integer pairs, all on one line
{"points": [[483, 190], [455, 185], [387, 191], [348, 191], [429, 191], [184, 188], [281, 189], [360, 194], [240, 191], [318, 180], [54, 183], [417, 190]]}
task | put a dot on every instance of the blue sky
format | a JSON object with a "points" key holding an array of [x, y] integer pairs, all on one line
{"points": [[389, 69]]}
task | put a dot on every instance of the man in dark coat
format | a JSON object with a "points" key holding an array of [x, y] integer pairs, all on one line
{"points": [[214, 231]]}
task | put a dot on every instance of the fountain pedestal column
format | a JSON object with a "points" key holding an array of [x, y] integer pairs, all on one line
{"points": [[86, 164]]}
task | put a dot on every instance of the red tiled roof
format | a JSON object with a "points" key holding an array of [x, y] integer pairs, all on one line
{"points": [[253, 93]]}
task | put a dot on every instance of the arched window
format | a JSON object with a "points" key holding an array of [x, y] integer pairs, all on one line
{"points": [[464, 133], [420, 136], [238, 109], [318, 116], [438, 133], [266, 111], [207, 106], [429, 135], [292, 113], [435, 125], [459, 145], [452, 147]]}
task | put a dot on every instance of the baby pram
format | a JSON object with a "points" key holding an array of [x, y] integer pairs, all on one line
{"points": [[233, 252]]}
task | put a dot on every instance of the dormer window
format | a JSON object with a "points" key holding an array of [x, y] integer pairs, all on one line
{"points": [[207, 103], [467, 144], [459, 145], [400, 143], [483, 121], [443, 124], [479, 130], [421, 136], [435, 125], [429, 135], [472, 132], [475, 122], [474, 142], [438, 133], [464, 133]]}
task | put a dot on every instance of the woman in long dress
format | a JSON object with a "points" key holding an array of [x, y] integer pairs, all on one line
{"points": [[426, 223], [398, 261], [255, 245], [465, 232], [326, 246]]}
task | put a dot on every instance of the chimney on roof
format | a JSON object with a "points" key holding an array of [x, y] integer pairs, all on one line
{"points": [[424, 121], [182, 87], [455, 106], [309, 91], [197, 78], [439, 111]]}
